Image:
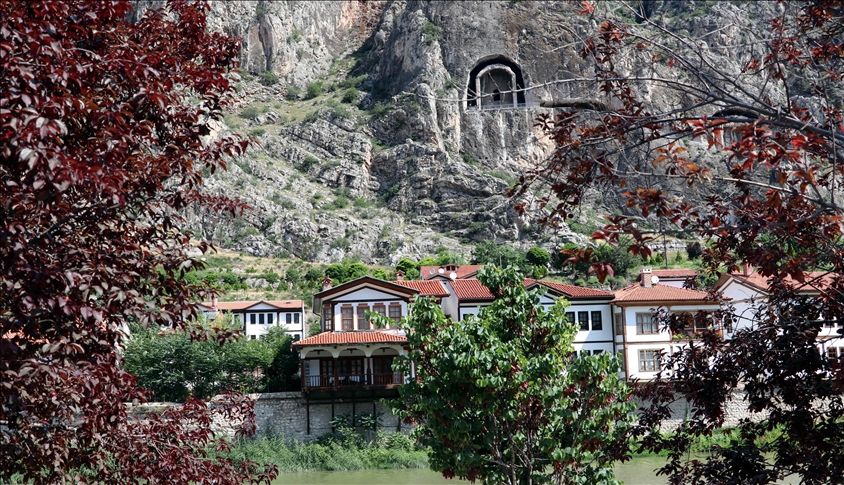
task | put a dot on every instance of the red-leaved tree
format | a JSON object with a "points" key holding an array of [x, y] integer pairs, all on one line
{"points": [[105, 130], [739, 141]]}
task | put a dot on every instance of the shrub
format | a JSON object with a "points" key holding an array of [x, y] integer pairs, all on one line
{"points": [[341, 243], [352, 82], [339, 202], [293, 93], [694, 250], [351, 95], [250, 112], [430, 32], [268, 78], [469, 159], [294, 36], [314, 89], [538, 256], [271, 277], [362, 203], [378, 110], [309, 162], [257, 132]]}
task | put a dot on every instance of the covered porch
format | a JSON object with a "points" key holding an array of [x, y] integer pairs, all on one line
{"points": [[363, 367]]}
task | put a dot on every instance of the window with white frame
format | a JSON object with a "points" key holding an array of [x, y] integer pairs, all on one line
{"points": [[646, 324], [649, 360]]}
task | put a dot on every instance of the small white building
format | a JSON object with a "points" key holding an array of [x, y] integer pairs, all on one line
{"points": [[639, 339], [350, 354], [748, 292], [589, 309], [256, 317]]}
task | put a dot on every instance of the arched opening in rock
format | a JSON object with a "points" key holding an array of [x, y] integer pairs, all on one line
{"points": [[494, 84]]}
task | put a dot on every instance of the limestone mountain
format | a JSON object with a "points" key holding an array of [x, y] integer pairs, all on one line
{"points": [[389, 129]]}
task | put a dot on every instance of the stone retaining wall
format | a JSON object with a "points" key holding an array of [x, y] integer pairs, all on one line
{"points": [[287, 414], [735, 411]]}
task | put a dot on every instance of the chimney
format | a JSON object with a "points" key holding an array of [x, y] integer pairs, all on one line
{"points": [[747, 269], [399, 275], [214, 303], [327, 283], [645, 277]]}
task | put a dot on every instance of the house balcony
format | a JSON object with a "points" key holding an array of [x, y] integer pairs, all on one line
{"points": [[361, 381]]}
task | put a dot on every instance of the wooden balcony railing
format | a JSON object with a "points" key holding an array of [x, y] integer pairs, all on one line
{"points": [[352, 380]]}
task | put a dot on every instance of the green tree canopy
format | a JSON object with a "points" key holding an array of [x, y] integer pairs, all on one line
{"points": [[346, 270], [538, 256], [490, 252], [410, 268], [500, 397], [174, 366]]}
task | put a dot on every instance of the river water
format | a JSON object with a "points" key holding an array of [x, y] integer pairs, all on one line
{"points": [[638, 471]]}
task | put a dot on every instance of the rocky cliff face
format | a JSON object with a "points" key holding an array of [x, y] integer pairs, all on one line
{"points": [[370, 145]]}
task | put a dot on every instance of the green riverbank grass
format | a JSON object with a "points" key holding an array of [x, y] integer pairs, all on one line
{"points": [[720, 438], [332, 453]]}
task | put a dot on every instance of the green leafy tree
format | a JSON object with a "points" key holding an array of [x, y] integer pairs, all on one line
{"points": [[490, 252], [280, 375], [538, 256], [346, 270], [444, 256], [410, 268], [500, 398], [428, 261], [174, 366]]}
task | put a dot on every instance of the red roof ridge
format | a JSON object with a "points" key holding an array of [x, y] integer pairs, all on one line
{"points": [[657, 292]]}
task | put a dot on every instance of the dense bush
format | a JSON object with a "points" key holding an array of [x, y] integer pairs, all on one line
{"points": [[268, 78], [250, 112], [410, 268], [694, 250], [293, 93], [314, 89], [538, 256], [173, 366], [351, 95], [346, 270], [502, 255]]}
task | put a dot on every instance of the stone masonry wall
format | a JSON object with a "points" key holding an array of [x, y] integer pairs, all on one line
{"points": [[286, 414]]}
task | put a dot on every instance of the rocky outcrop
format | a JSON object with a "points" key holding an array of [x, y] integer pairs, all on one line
{"points": [[407, 165]]}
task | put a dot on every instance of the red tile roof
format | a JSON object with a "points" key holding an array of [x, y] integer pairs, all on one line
{"points": [[355, 337], [657, 292], [471, 290], [570, 291], [425, 288], [243, 305], [474, 290], [814, 281], [462, 271]]}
